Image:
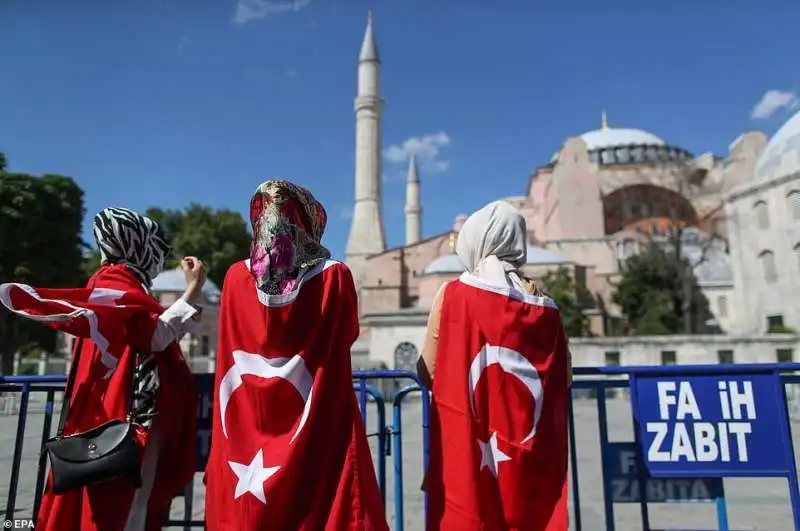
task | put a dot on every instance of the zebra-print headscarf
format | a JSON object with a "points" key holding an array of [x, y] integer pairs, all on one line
{"points": [[125, 237]]}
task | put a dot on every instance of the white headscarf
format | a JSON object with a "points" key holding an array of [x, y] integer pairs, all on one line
{"points": [[493, 245]]}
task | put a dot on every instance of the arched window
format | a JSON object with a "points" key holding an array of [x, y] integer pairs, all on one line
{"points": [[794, 204], [762, 214], [767, 259], [405, 356]]}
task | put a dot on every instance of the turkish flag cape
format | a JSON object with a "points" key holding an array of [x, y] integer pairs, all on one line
{"points": [[116, 317], [288, 448], [498, 458]]}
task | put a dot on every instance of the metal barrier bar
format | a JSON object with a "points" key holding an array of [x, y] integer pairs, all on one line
{"points": [[381, 433], [396, 430], [42, 469], [602, 426], [573, 454], [17, 459]]}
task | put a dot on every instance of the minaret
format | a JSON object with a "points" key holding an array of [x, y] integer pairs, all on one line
{"points": [[413, 208], [366, 231]]}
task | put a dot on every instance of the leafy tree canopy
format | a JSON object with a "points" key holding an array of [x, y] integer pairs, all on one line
{"points": [[40, 224], [652, 292], [217, 237], [572, 299]]}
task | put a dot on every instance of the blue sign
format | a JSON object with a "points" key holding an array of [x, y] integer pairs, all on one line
{"points": [[624, 485], [712, 425], [205, 411]]}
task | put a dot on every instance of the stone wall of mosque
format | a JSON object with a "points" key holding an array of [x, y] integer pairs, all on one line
{"points": [[682, 350], [393, 277], [764, 232], [396, 339]]}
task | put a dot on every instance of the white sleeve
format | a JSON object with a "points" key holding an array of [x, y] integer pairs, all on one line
{"points": [[173, 324]]}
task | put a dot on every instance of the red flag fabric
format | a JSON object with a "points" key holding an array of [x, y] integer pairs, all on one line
{"points": [[116, 317], [288, 447], [498, 458]]}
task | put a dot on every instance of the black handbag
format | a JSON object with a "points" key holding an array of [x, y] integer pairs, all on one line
{"points": [[100, 454]]}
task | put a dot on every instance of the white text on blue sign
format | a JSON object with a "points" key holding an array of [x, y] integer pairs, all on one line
{"points": [[683, 435]]}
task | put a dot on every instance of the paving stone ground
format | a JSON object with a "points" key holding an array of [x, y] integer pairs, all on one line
{"points": [[752, 504]]}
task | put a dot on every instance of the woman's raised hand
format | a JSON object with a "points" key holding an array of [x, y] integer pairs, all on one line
{"points": [[195, 273]]}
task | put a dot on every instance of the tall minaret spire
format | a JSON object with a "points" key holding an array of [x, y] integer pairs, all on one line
{"points": [[413, 208], [366, 231]]}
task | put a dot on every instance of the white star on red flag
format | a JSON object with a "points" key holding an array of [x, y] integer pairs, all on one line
{"points": [[491, 455], [252, 477]]}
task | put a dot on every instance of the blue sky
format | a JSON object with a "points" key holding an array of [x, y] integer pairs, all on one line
{"points": [[163, 102]]}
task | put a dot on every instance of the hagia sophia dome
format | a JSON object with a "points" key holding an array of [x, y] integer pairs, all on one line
{"points": [[781, 156], [611, 145]]}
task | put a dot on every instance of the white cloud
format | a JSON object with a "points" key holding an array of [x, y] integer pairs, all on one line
{"points": [[427, 149], [247, 10], [346, 212], [774, 100]]}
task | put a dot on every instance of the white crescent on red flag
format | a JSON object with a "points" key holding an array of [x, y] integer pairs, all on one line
{"points": [[288, 448], [503, 404]]}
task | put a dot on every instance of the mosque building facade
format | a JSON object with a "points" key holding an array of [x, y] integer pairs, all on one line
{"points": [[598, 201]]}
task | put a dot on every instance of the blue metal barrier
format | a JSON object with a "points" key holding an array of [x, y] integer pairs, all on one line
{"points": [[361, 377], [642, 472]]}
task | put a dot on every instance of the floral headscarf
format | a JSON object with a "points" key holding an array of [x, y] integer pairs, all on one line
{"points": [[288, 223]]}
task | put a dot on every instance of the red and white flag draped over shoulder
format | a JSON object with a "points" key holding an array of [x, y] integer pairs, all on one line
{"points": [[498, 456], [288, 447], [116, 317]]}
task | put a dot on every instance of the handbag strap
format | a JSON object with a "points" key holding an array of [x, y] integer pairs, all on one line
{"points": [[68, 389], [73, 370]]}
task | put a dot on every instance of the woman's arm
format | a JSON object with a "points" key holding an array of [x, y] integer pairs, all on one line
{"points": [[426, 364], [181, 317]]}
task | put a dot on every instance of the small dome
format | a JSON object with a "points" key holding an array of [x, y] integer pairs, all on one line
{"points": [[451, 264], [716, 269], [713, 261], [173, 281], [782, 155], [540, 256]]}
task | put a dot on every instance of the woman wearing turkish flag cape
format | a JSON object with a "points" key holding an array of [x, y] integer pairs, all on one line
{"points": [[121, 330], [497, 361], [288, 449]]}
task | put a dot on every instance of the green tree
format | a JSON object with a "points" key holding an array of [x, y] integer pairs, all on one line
{"points": [[40, 224], [90, 262], [572, 299], [218, 237], [653, 294]]}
